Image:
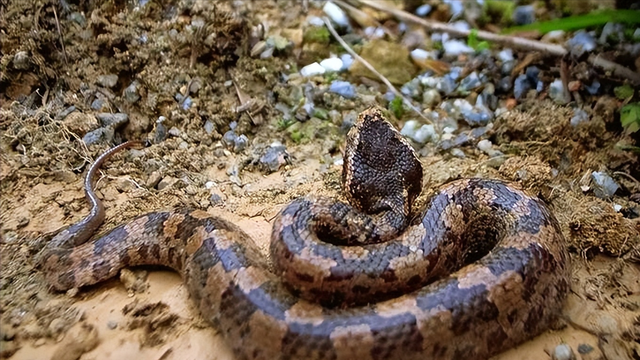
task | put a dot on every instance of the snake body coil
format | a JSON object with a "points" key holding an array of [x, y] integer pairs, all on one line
{"points": [[482, 270]]}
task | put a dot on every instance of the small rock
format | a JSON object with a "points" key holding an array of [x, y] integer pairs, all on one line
{"points": [[98, 104], [603, 185], [556, 92], [524, 15], [332, 64], [124, 185], [419, 133], [347, 60], [21, 60], [581, 42], [470, 82], [579, 116], [563, 352], [240, 143], [209, 126], [458, 153], [456, 47], [431, 98], [131, 92], [584, 349], [343, 88], [229, 138], [611, 33], [312, 69], [274, 157], [153, 179], [521, 86], [423, 10], [112, 325], [174, 131], [166, 182], [485, 146], [115, 120], [22, 222], [336, 14], [108, 81], [80, 123], [594, 88], [99, 135], [187, 103]]}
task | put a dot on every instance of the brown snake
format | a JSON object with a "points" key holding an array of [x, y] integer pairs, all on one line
{"points": [[483, 269]]}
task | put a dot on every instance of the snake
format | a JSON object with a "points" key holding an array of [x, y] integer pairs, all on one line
{"points": [[482, 268]]}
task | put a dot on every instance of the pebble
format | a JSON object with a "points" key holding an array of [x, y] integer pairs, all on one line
{"points": [[336, 14], [456, 47], [556, 92], [114, 120], [39, 342], [209, 126], [112, 325], [456, 7], [584, 349], [603, 185], [563, 352], [470, 82], [315, 21], [419, 133], [343, 88], [166, 182], [579, 116], [131, 92], [523, 15], [581, 42], [98, 104], [153, 179], [431, 98], [458, 153], [124, 185], [332, 64], [274, 157], [611, 33], [521, 86], [187, 103], [423, 10], [312, 69], [108, 81], [240, 143], [594, 88], [174, 131], [98, 135], [229, 138], [347, 60], [21, 60]]}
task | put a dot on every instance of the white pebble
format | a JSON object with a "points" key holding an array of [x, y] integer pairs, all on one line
{"points": [[456, 47], [336, 14], [312, 70], [209, 184], [485, 145], [617, 207], [332, 64]]}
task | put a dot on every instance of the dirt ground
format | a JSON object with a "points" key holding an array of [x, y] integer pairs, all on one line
{"points": [[147, 313]]}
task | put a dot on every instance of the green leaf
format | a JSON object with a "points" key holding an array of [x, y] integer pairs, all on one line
{"points": [[623, 92], [630, 117], [598, 18]]}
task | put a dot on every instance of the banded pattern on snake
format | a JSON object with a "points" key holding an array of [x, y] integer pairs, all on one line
{"points": [[483, 269]]}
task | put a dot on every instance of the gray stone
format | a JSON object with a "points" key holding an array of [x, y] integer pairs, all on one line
{"points": [[563, 352], [108, 81], [113, 120]]}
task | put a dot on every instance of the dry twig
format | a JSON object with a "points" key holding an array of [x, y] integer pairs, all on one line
{"points": [[64, 51], [616, 69], [516, 42], [373, 70]]}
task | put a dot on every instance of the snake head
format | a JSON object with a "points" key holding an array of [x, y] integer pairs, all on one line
{"points": [[381, 170]]}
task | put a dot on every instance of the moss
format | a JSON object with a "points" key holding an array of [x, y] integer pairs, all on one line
{"points": [[317, 34]]}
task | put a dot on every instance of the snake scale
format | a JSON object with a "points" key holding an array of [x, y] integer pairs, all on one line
{"points": [[483, 268]]}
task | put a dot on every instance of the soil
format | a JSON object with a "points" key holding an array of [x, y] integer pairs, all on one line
{"points": [[146, 313]]}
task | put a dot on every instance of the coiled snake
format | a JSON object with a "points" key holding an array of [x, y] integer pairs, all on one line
{"points": [[483, 269]]}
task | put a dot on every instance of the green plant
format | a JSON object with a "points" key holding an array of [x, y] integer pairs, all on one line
{"points": [[283, 123], [395, 106], [630, 117], [472, 41]]}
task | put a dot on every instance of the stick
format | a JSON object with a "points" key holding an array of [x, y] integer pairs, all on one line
{"points": [[64, 51], [373, 70], [616, 69], [515, 42]]}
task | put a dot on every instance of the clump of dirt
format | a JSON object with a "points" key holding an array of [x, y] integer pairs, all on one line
{"points": [[154, 318]]}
